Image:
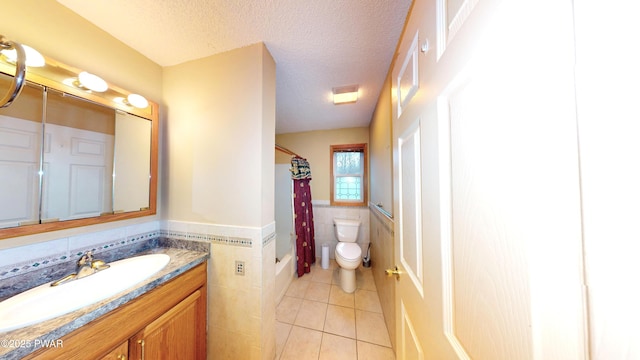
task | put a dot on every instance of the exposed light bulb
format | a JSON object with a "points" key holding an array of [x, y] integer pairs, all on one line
{"points": [[92, 82], [34, 58], [138, 101]]}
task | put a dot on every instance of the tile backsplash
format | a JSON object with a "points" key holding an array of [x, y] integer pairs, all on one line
{"points": [[23, 259]]}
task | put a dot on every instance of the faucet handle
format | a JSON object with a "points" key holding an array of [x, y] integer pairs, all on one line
{"points": [[86, 258]]}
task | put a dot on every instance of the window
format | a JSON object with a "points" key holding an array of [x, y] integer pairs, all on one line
{"points": [[349, 175]]}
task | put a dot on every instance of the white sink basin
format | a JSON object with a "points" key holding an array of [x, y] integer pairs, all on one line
{"points": [[46, 302]]}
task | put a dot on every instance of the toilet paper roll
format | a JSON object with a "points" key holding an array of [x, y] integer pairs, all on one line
{"points": [[325, 256]]}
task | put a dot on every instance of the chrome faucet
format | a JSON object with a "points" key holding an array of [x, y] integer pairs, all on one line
{"points": [[85, 266]]}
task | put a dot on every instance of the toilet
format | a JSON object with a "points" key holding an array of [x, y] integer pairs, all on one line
{"points": [[348, 253]]}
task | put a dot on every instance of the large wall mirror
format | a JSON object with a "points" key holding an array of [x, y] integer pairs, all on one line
{"points": [[71, 156]]}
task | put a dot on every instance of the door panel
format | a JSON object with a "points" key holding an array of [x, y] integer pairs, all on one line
{"points": [[78, 173], [451, 15], [411, 347], [407, 78], [489, 274], [86, 195], [20, 137], [410, 229], [19, 156], [499, 207]]}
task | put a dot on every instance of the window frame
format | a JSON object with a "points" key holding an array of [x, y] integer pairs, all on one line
{"points": [[362, 148]]}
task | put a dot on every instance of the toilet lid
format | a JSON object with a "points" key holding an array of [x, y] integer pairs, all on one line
{"points": [[349, 251]]}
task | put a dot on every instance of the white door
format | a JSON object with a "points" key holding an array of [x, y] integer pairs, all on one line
{"points": [[607, 78], [78, 169], [19, 165], [486, 183]]}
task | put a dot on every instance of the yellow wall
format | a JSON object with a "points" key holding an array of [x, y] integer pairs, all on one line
{"points": [[268, 131], [380, 152], [217, 138], [219, 170], [315, 147], [63, 35]]}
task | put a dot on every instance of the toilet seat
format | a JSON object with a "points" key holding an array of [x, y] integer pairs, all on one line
{"points": [[349, 251]]}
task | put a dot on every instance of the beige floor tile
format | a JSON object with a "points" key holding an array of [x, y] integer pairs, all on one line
{"points": [[282, 334], [367, 300], [311, 315], [288, 309], [297, 288], [335, 276], [370, 327], [367, 351], [340, 321], [337, 348], [302, 344], [339, 297], [364, 279], [332, 263], [353, 324], [321, 275], [318, 292]]}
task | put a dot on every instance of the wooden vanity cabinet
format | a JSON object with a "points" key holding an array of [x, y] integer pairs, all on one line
{"points": [[169, 322], [173, 335], [119, 353]]}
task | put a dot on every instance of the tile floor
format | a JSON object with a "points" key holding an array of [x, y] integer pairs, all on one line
{"points": [[317, 320]]}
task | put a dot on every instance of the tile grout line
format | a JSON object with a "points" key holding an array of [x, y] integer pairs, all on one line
{"points": [[327, 303]]}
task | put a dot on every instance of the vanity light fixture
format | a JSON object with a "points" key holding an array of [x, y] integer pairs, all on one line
{"points": [[134, 100], [34, 58], [138, 101], [345, 94], [92, 82]]}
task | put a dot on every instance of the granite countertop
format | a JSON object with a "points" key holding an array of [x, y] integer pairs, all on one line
{"points": [[17, 343]]}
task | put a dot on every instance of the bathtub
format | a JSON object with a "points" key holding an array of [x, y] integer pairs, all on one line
{"points": [[284, 274]]}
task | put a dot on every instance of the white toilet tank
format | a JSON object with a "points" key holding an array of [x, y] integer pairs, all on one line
{"points": [[346, 230]]}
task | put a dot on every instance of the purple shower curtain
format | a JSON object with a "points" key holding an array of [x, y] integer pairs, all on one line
{"points": [[303, 214]]}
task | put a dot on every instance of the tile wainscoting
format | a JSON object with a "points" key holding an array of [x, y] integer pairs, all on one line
{"points": [[241, 307], [323, 215], [23, 259], [382, 227]]}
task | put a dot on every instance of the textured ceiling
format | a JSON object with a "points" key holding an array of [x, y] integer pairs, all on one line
{"points": [[317, 45]]}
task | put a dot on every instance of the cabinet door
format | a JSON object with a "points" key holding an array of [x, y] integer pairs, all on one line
{"points": [[119, 353], [178, 334]]}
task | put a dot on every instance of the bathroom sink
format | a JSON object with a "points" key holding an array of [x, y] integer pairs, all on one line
{"points": [[46, 302]]}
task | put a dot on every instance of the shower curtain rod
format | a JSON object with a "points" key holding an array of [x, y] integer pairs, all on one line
{"points": [[286, 151]]}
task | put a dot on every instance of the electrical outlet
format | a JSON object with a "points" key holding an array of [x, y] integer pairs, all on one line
{"points": [[240, 268]]}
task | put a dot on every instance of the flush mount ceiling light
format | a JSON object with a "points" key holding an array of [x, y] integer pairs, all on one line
{"points": [[34, 58], [92, 82], [345, 94]]}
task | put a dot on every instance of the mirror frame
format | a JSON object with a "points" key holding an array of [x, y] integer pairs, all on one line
{"points": [[52, 76]]}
